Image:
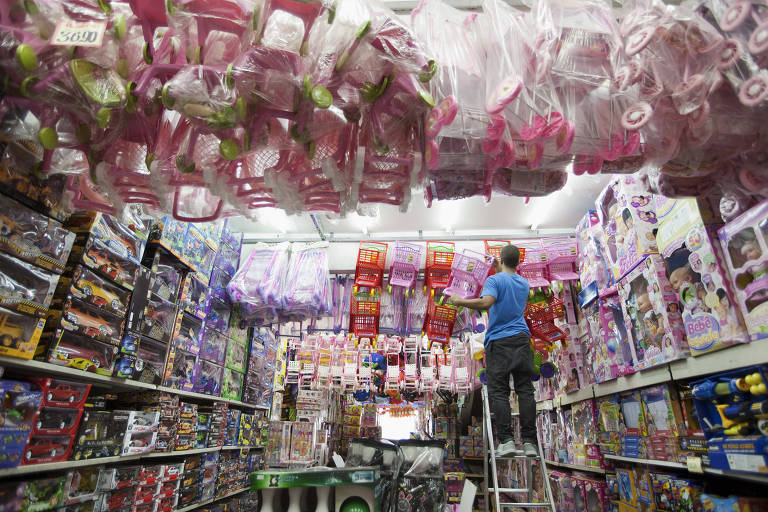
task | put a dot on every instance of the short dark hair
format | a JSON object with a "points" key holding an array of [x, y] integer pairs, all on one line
{"points": [[510, 256]]}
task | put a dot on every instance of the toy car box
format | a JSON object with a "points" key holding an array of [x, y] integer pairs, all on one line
{"points": [[61, 393], [194, 296], [33, 237], [101, 434], [208, 379], [141, 421], [231, 384], [181, 369], [159, 318], [213, 346], [89, 286], [43, 494], [146, 364], [187, 332], [139, 442], [652, 314], [19, 334], [24, 287], [101, 258], [108, 230], [43, 449], [745, 254], [692, 256], [66, 348], [57, 421], [86, 319]]}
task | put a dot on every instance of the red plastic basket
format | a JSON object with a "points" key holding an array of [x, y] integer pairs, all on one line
{"points": [[493, 247], [438, 322], [438, 266], [363, 303], [364, 326], [371, 259], [438, 277], [540, 320]]}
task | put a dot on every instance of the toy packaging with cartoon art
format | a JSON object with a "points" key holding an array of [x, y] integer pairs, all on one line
{"points": [[217, 315], [592, 265], [32, 237], [194, 296], [692, 256], [236, 355], [231, 384], [607, 349], [181, 369], [664, 421], [170, 233], [652, 314], [18, 412], [213, 346], [88, 286], [673, 493], [745, 252], [208, 380], [187, 332]]}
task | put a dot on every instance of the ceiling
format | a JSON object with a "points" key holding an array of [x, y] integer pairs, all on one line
{"points": [[467, 217]]}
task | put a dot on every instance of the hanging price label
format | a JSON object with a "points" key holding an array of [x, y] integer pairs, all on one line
{"points": [[79, 33]]}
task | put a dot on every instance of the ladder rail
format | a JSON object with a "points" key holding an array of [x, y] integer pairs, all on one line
{"points": [[490, 451]]}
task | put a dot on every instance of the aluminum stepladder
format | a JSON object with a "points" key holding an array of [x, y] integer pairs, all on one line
{"points": [[489, 454]]}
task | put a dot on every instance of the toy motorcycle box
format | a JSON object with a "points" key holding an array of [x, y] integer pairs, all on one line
{"points": [[24, 287], [89, 286], [88, 320], [105, 228], [32, 237], [66, 348], [19, 334]]}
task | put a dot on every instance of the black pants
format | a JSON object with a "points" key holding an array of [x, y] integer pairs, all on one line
{"points": [[505, 357]]}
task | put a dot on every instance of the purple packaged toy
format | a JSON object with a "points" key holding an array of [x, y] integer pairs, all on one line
{"points": [[307, 293], [256, 285], [745, 246], [218, 284], [231, 238], [181, 370], [217, 315], [187, 332], [208, 379], [213, 346], [607, 353], [652, 314], [227, 259], [194, 296]]}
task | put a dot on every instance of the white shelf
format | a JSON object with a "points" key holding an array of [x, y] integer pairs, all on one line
{"points": [[545, 405], [32, 367], [740, 475], [576, 467], [647, 462], [584, 393], [721, 361], [650, 377], [206, 502], [182, 453]]}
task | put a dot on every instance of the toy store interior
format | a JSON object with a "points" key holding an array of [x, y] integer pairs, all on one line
{"points": [[253, 255]]}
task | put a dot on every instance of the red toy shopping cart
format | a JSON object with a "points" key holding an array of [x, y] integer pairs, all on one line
{"points": [[371, 259]]}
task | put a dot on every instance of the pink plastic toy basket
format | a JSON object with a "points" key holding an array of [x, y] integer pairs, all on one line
{"points": [[468, 272], [534, 268], [561, 257], [405, 267]]}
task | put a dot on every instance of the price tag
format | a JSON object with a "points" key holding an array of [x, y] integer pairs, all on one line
{"points": [[694, 464], [79, 33]]}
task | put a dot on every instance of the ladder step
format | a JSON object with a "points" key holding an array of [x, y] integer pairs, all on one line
{"points": [[526, 505], [510, 490], [516, 456]]}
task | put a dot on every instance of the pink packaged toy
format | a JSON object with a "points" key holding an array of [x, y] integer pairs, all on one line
{"points": [[595, 495], [745, 248], [710, 316], [628, 219], [652, 314], [592, 265], [584, 417], [607, 350]]}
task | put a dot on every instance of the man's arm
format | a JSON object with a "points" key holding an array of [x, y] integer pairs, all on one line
{"points": [[479, 304]]}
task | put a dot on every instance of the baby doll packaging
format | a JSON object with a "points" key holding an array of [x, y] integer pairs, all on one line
{"points": [[745, 246], [710, 316], [592, 265], [607, 351], [652, 314], [628, 220]]}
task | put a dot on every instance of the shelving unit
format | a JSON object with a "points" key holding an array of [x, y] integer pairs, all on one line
{"points": [[212, 500], [111, 383], [739, 475], [576, 467]]}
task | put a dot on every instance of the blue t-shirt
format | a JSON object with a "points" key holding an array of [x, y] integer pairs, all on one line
{"points": [[506, 314]]}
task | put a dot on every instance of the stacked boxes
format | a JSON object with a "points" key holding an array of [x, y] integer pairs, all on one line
{"points": [[141, 431], [18, 412], [186, 433], [190, 483], [33, 253], [260, 374]]}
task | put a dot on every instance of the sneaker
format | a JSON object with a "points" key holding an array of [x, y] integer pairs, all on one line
{"points": [[506, 449], [530, 450]]}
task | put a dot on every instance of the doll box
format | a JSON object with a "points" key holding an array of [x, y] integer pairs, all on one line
{"points": [[710, 315], [632, 414], [651, 314], [662, 411], [608, 348], [592, 265], [745, 254]]}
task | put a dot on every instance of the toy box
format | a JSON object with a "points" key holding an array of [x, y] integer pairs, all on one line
{"points": [[26, 288], [88, 320], [302, 441], [231, 238], [33, 237], [43, 494], [609, 424], [664, 420], [166, 277], [208, 379], [628, 221], [206, 262], [591, 263], [101, 434], [607, 347], [236, 354], [217, 315], [652, 314], [42, 449], [105, 228], [227, 259], [231, 384], [98, 256], [745, 254], [18, 411], [139, 442], [61, 393], [69, 349], [187, 332], [194, 296], [584, 418], [213, 345], [212, 232], [139, 421], [57, 421], [19, 334], [710, 316], [159, 319], [150, 361], [218, 284], [81, 485], [169, 233], [238, 329], [181, 369], [88, 286], [673, 493], [194, 248]]}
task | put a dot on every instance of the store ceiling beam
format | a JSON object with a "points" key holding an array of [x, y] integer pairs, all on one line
{"points": [[407, 236]]}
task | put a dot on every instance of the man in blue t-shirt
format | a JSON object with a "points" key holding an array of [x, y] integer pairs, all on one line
{"points": [[508, 350]]}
